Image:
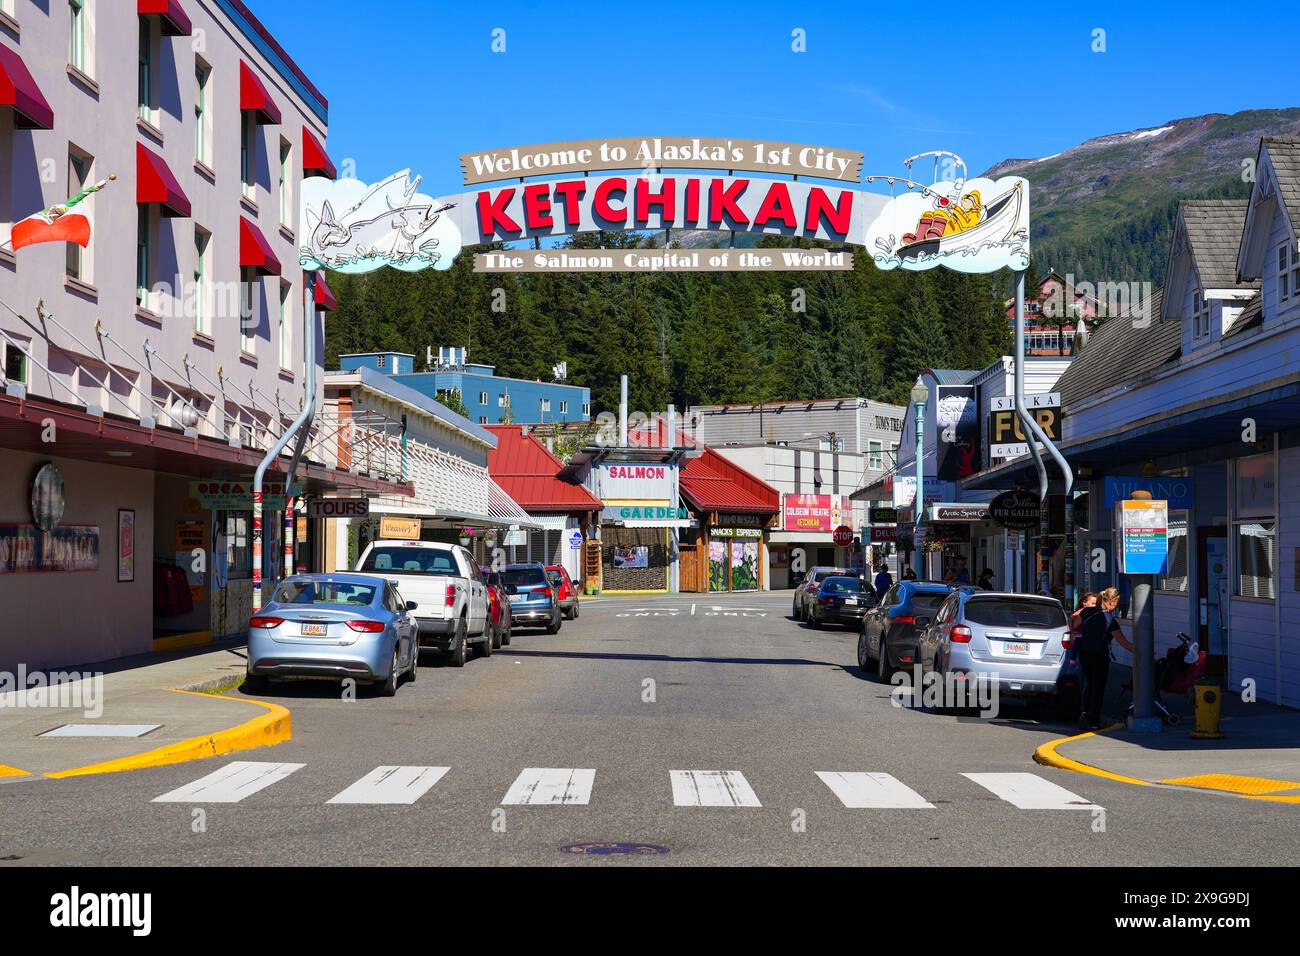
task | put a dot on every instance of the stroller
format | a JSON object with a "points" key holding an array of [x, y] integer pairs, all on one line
{"points": [[1175, 674]]}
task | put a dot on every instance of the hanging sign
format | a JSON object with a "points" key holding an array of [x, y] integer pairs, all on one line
{"points": [[338, 508], [1007, 437], [392, 527], [1017, 509]]}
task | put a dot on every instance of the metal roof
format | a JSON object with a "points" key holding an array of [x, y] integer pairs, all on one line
{"points": [[527, 471], [713, 483]]}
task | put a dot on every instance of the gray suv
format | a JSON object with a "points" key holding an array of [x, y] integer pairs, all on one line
{"points": [[806, 593]]}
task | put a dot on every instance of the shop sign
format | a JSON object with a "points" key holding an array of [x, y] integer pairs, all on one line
{"points": [[238, 495], [904, 490], [950, 533], [755, 533], [958, 512], [26, 549], [884, 534], [1007, 437], [815, 513], [1142, 536], [1015, 509], [392, 528], [338, 508], [957, 415], [634, 480], [1178, 492], [742, 520], [644, 513], [883, 515], [191, 536]]}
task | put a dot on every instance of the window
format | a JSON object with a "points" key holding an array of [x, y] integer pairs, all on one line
{"points": [[1283, 273], [286, 183], [78, 176], [381, 361], [482, 420], [77, 15], [501, 401], [546, 405], [202, 240], [564, 408], [143, 223], [1200, 316], [875, 455], [247, 159], [893, 454], [586, 409], [202, 74], [286, 317], [15, 363], [247, 310], [235, 527], [1175, 577], [482, 398], [144, 70], [1255, 528]]}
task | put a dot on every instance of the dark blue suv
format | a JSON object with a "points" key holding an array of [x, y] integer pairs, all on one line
{"points": [[891, 631], [533, 600]]}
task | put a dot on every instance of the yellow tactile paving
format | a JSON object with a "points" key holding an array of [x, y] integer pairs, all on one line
{"points": [[1235, 784]]}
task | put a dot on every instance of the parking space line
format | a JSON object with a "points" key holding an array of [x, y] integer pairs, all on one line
{"points": [[874, 791], [1028, 791], [712, 788], [551, 785], [391, 785], [231, 784]]}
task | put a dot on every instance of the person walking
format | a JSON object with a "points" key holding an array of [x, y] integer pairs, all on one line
{"points": [[883, 582], [1099, 624]]}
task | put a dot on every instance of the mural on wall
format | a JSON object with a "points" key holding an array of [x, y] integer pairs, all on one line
{"points": [[718, 567], [744, 565]]}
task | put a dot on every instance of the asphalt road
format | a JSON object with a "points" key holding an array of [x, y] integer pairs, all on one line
{"points": [[612, 706]]}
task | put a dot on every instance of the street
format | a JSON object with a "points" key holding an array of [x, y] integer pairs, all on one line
{"points": [[705, 730]]}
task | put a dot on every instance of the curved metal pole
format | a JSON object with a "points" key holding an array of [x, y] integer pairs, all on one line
{"points": [[299, 425]]}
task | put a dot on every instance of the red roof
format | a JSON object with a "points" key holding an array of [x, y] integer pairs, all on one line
{"points": [[712, 483], [530, 474]]}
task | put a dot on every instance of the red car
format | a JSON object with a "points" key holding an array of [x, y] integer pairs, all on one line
{"points": [[565, 593], [500, 617]]}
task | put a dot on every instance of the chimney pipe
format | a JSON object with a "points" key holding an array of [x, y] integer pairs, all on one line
{"points": [[622, 412], [672, 426]]}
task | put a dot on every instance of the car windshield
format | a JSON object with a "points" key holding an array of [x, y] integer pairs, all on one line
{"points": [[842, 586], [339, 593], [515, 578], [1014, 612], [926, 603], [410, 561]]}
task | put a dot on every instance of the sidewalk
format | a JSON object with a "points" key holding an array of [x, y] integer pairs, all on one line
{"points": [[143, 711], [1258, 758]]}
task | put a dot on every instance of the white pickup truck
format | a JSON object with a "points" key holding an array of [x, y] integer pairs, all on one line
{"points": [[449, 590]]}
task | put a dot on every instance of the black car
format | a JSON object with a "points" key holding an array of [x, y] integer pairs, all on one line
{"points": [[891, 632], [841, 599]]}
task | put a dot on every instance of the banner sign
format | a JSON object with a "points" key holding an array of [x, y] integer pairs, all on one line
{"points": [[238, 495], [26, 549], [818, 513], [959, 432], [735, 533], [1006, 436], [1179, 493], [663, 260], [1141, 537]]}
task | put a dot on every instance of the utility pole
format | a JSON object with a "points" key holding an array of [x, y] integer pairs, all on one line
{"points": [[920, 395]]}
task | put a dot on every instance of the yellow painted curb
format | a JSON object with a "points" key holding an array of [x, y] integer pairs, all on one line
{"points": [[1234, 783], [11, 771], [180, 642], [1048, 757], [265, 730]]}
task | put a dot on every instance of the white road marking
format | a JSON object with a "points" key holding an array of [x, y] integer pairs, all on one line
{"points": [[100, 730], [712, 788], [876, 791], [1028, 791], [230, 784], [551, 785], [391, 785]]}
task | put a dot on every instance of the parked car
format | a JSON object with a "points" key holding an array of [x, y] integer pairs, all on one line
{"points": [[891, 631], [565, 591], [841, 600], [1020, 640], [334, 626], [445, 582], [807, 591], [532, 598], [498, 608]]}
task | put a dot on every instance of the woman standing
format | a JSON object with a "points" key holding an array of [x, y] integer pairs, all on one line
{"points": [[1098, 626]]}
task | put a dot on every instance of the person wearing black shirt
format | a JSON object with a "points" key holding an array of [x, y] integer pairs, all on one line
{"points": [[1098, 625]]}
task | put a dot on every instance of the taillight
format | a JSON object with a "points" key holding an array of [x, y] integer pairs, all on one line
{"points": [[905, 619], [1067, 643], [451, 595], [265, 622], [547, 593], [826, 601], [961, 634], [366, 627]]}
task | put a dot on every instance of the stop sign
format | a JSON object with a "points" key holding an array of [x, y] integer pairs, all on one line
{"points": [[843, 536]]}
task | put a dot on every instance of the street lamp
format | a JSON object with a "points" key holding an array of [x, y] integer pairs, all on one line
{"points": [[920, 395]]}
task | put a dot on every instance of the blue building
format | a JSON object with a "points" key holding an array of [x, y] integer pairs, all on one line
{"points": [[489, 398]]}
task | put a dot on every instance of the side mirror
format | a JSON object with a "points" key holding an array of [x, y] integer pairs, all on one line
{"points": [[411, 605]]}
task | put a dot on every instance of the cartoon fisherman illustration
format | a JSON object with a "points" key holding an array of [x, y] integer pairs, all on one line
{"points": [[948, 218]]}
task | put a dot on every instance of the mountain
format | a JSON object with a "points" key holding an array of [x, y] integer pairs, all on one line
{"points": [[1104, 209]]}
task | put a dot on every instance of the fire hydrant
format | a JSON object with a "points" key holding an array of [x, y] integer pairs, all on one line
{"points": [[1208, 701]]}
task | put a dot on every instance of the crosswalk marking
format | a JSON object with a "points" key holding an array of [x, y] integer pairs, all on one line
{"points": [[230, 784], [391, 785], [551, 785], [875, 791], [712, 788], [1028, 791]]}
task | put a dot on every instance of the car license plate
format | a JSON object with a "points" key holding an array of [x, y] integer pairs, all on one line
{"points": [[315, 630], [516, 598], [1013, 647], [850, 600]]}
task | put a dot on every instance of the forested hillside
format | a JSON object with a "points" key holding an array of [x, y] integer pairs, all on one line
{"points": [[682, 337]]}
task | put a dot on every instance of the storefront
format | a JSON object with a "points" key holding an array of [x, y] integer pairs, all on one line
{"points": [[726, 550], [805, 539]]}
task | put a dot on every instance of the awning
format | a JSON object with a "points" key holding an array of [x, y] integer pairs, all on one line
{"points": [[254, 251], [254, 96], [19, 90], [170, 13], [154, 183], [314, 158], [325, 300]]}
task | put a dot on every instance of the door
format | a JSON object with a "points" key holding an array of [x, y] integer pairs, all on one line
{"points": [[1212, 590]]}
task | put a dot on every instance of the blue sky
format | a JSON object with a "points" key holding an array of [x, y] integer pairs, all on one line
{"points": [[415, 82]]}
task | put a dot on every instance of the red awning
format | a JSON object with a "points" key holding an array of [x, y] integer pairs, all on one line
{"points": [[254, 251], [154, 183], [174, 21], [314, 157], [324, 295], [19, 90], [254, 96]]}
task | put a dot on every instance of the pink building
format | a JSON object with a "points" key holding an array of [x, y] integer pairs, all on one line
{"points": [[169, 351], [1054, 297]]}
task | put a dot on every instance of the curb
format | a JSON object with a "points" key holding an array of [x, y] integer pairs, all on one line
{"points": [[1048, 757], [264, 730], [6, 771]]}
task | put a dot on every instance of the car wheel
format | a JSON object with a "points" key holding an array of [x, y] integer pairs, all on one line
{"points": [[254, 684], [456, 650], [496, 638], [484, 647], [505, 634], [814, 620], [554, 626], [794, 610], [576, 609], [389, 687], [414, 670], [864, 660], [883, 670]]}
